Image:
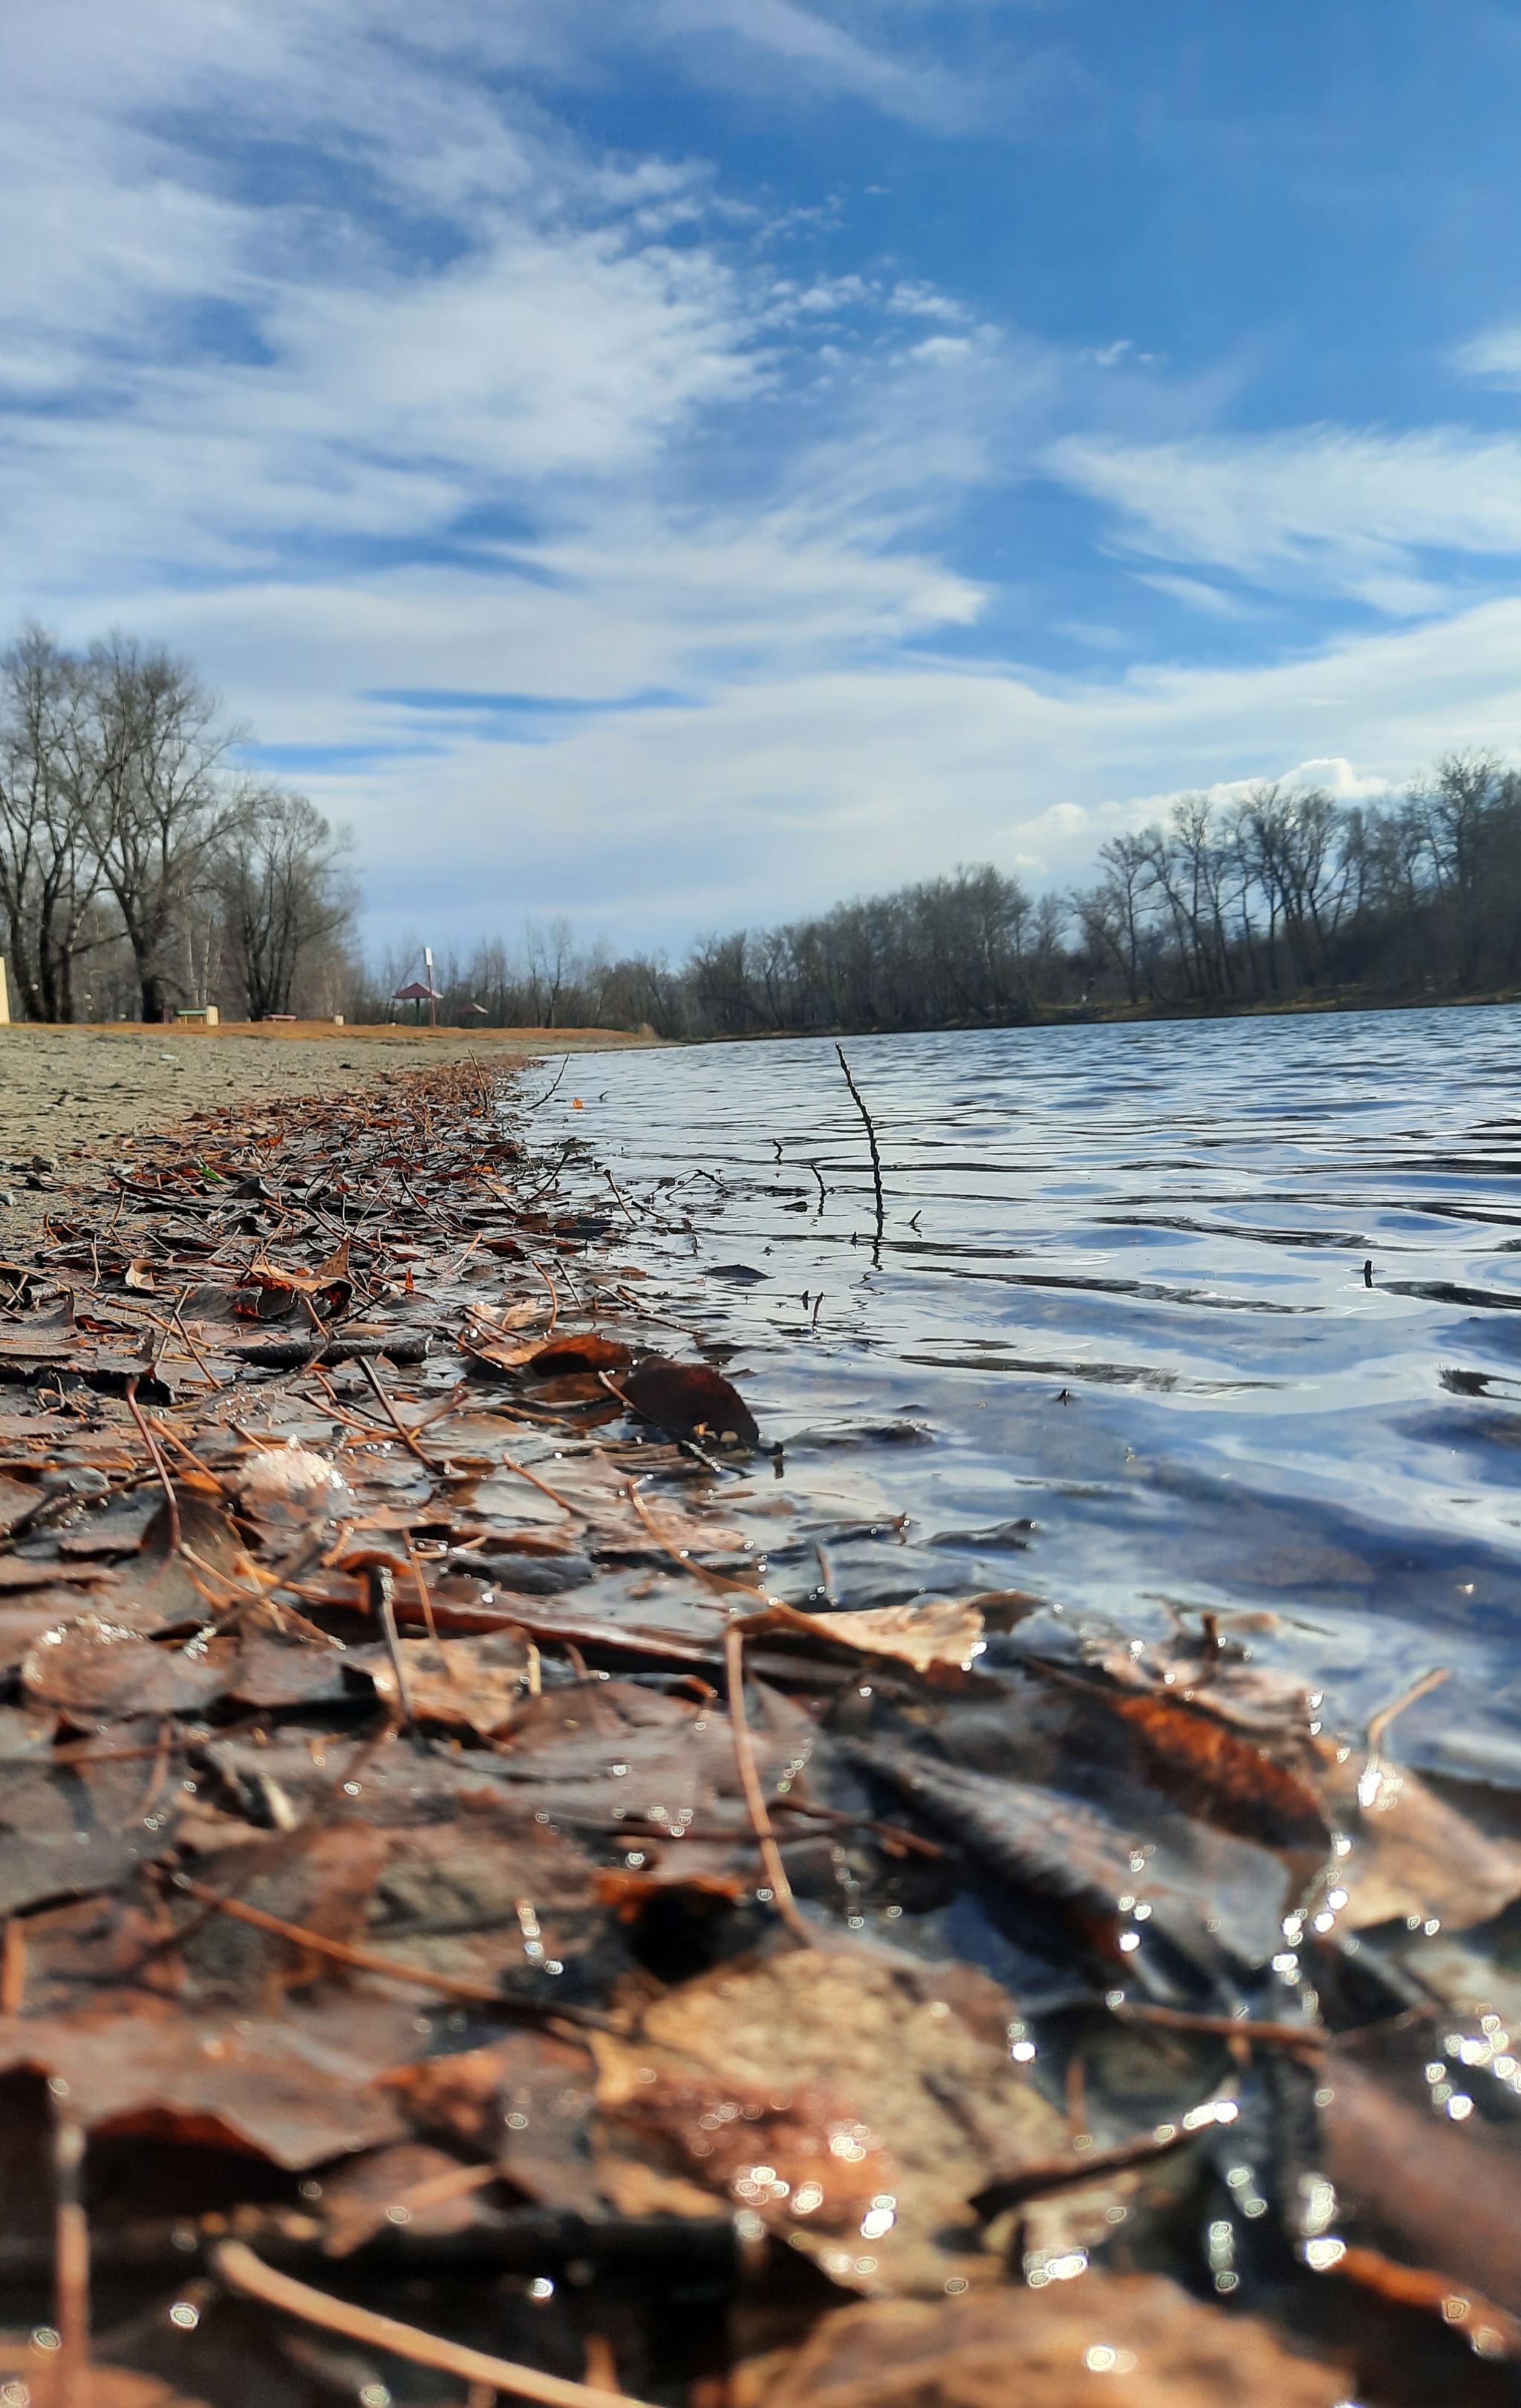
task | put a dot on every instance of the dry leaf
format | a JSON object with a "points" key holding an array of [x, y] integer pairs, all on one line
{"points": [[1131, 2341]]}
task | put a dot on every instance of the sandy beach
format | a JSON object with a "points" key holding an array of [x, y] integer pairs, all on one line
{"points": [[66, 1093]]}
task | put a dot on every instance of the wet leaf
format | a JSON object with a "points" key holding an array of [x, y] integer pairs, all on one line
{"points": [[96, 1667], [1204, 1890], [932, 1634], [830, 2058], [587, 1353], [525, 2102], [471, 1685], [1105, 2341], [1213, 1772], [1445, 2194], [1412, 1855], [688, 1401], [408, 2182], [17, 1499], [298, 2088]]}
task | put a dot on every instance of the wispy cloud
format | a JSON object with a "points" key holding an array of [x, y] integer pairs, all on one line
{"points": [[1323, 509]]}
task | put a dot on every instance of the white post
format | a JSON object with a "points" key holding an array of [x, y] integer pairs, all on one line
{"points": [[4, 994]]}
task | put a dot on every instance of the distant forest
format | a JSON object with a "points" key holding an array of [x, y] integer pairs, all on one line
{"points": [[1285, 896], [142, 871]]}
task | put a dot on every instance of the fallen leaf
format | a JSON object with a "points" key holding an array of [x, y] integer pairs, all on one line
{"points": [[96, 1667], [1412, 1854], [930, 1634], [297, 2089], [688, 1401], [1106, 2341], [872, 2068], [525, 2102], [1213, 1772], [1447, 2194]]}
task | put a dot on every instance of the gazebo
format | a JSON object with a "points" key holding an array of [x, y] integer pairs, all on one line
{"points": [[420, 995]]}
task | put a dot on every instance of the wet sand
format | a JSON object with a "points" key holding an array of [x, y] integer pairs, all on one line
{"points": [[69, 1093]]}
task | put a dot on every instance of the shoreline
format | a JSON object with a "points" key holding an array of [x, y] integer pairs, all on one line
{"points": [[70, 1096]]}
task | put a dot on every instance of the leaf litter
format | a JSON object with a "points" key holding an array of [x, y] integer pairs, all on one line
{"points": [[474, 1819]]}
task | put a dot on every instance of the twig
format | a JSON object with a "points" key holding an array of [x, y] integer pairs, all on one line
{"points": [[13, 1966], [871, 1135], [1480, 2321], [159, 1466], [366, 1960], [381, 1596], [71, 2260], [744, 1756], [540, 1101], [393, 1417], [722, 1582], [555, 1296], [1380, 1722], [237, 2265], [1272, 2035], [1049, 2174]]}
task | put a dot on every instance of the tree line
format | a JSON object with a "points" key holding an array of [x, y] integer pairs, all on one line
{"points": [[1280, 894], [141, 869]]}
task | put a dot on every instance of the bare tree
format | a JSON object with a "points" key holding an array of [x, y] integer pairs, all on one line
{"points": [[48, 872], [160, 812], [281, 886]]}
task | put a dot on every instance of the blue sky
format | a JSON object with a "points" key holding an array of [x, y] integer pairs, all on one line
{"points": [[678, 464]]}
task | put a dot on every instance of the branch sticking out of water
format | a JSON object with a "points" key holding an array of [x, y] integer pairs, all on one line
{"points": [[872, 1137]]}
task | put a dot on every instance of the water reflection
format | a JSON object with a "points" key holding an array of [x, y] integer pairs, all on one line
{"points": [[1121, 1287]]}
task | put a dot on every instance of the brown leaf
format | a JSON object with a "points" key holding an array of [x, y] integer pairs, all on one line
{"points": [[297, 2089], [525, 2100], [139, 1275], [1213, 1772], [18, 1499], [464, 1683], [1415, 1855], [1448, 2195], [1106, 2341], [688, 1401], [932, 1633], [849, 2041], [93, 1667], [408, 2182], [588, 1353]]}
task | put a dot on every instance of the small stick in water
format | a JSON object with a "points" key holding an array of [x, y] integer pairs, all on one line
{"points": [[870, 1133]]}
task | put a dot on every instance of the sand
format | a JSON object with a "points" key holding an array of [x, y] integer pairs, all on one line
{"points": [[67, 1094]]}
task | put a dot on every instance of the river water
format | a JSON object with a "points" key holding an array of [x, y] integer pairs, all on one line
{"points": [[1119, 1296]]}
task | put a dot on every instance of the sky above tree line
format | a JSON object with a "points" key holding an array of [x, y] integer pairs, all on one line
{"points": [[682, 464]]}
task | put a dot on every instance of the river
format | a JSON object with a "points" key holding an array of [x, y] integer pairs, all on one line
{"points": [[1119, 1297]]}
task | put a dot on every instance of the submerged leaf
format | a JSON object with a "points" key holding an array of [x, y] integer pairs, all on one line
{"points": [[688, 1401]]}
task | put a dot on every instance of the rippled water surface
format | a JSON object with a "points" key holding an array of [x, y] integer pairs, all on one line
{"points": [[1119, 1294]]}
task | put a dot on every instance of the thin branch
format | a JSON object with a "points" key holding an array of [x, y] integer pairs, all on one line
{"points": [[236, 2264], [750, 1781]]}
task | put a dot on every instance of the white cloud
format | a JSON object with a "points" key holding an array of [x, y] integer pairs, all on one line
{"points": [[1494, 355], [1323, 509]]}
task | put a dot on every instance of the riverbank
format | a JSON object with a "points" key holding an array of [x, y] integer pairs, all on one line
{"points": [[75, 1095]]}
